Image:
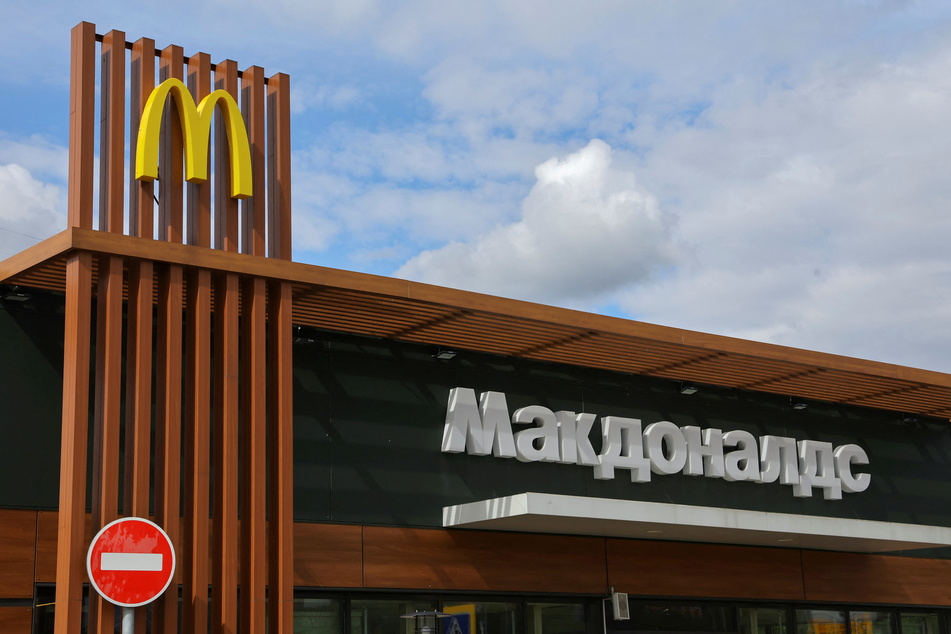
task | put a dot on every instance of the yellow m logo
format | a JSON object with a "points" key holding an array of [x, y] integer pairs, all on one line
{"points": [[196, 132]]}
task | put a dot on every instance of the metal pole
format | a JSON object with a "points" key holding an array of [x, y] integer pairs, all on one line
{"points": [[128, 620]]}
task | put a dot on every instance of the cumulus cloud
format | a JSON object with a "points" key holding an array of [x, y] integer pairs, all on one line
{"points": [[816, 213], [587, 228], [801, 147], [29, 209]]}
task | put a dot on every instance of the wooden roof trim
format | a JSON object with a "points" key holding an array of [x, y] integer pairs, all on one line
{"points": [[508, 309]]}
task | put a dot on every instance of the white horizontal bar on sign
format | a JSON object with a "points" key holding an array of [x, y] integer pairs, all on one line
{"points": [[132, 562], [605, 517]]}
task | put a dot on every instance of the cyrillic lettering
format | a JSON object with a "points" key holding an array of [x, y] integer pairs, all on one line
{"points": [[574, 435], [622, 448], [484, 427], [704, 452], [817, 469], [478, 432], [536, 444], [665, 435], [742, 463], [845, 457], [778, 460]]}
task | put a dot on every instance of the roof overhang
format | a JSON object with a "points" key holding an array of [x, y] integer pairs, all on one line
{"points": [[402, 310], [566, 514]]}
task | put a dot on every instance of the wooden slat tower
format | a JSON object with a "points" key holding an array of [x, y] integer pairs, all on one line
{"points": [[190, 369]]}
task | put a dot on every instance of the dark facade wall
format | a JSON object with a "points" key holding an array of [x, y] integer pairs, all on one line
{"points": [[370, 414], [31, 391], [369, 418]]}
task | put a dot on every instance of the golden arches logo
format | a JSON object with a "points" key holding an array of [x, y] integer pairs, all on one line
{"points": [[196, 133]]}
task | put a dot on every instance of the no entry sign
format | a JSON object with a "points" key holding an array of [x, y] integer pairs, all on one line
{"points": [[130, 562]]}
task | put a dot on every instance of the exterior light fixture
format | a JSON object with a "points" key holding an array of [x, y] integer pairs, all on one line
{"points": [[425, 622], [688, 388], [303, 336], [797, 404], [15, 294], [444, 354]]}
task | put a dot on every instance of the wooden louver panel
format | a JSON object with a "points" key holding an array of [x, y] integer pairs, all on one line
{"points": [[221, 367]]}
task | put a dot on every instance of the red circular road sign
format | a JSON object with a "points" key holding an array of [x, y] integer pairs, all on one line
{"points": [[130, 562]]}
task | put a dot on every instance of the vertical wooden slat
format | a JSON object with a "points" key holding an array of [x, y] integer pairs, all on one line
{"points": [[108, 411], [70, 563], [253, 455], [254, 219], [279, 166], [138, 418], [82, 125], [244, 356], [168, 387], [168, 414], [77, 334], [198, 386], [254, 371], [199, 195], [108, 379], [171, 178], [227, 398], [141, 193], [112, 134], [226, 208], [280, 460], [141, 285], [198, 414]]}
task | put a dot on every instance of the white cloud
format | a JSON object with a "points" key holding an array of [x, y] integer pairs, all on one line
{"points": [[37, 154], [29, 210], [509, 100], [816, 213], [586, 230], [308, 95], [801, 146]]}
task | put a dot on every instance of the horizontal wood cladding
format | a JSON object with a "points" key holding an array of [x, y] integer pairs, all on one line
{"points": [[17, 555], [16, 620], [351, 556], [704, 570], [46, 531], [482, 561], [328, 556], [410, 311], [848, 578]]}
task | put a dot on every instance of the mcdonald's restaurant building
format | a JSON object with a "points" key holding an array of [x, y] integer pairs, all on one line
{"points": [[330, 452]]}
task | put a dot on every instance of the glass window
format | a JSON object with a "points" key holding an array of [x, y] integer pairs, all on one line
{"points": [[556, 618], [490, 617], [677, 617], [762, 621], [385, 617], [920, 623], [316, 616], [820, 622], [872, 622]]}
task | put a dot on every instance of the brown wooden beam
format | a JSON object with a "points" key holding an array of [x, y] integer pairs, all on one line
{"points": [[254, 393], [108, 417], [198, 458], [141, 193], [279, 166], [168, 431], [227, 398], [280, 459], [82, 125], [72, 488]]}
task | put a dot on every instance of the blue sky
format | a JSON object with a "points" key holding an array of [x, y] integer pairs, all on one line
{"points": [[772, 170]]}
